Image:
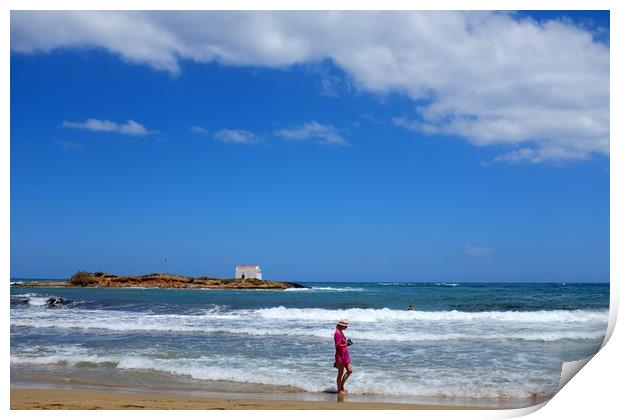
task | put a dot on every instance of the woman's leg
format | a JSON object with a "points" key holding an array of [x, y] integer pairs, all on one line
{"points": [[346, 376], [339, 378]]}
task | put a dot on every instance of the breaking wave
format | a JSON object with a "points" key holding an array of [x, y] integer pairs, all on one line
{"points": [[283, 372], [367, 324]]}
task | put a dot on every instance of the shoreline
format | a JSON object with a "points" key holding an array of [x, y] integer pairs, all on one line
{"points": [[181, 388], [118, 399]]}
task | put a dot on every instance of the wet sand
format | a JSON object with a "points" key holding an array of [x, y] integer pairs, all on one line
{"points": [[86, 399]]}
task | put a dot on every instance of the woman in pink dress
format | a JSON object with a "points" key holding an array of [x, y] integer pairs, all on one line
{"points": [[343, 361]]}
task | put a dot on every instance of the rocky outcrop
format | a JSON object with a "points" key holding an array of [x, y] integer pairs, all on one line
{"points": [[167, 281], [56, 302]]}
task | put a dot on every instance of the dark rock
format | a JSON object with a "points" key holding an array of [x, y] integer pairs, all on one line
{"points": [[55, 302]]}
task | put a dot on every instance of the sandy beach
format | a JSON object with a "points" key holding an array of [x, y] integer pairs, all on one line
{"points": [[84, 399]]}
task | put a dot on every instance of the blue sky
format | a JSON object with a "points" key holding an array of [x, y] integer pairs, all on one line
{"points": [[317, 161]]}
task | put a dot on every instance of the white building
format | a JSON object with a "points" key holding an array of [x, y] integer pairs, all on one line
{"points": [[248, 272]]}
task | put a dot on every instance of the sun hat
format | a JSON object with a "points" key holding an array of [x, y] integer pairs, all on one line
{"points": [[343, 323]]}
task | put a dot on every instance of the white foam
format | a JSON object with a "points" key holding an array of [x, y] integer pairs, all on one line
{"points": [[385, 314], [321, 333], [328, 289], [309, 377], [396, 283], [23, 295], [383, 325], [37, 301], [358, 315]]}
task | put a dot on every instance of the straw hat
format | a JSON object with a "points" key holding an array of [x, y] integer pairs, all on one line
{"points": [[343, 323]]}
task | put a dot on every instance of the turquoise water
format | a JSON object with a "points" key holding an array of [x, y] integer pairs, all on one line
{"points": [[482, 341]]}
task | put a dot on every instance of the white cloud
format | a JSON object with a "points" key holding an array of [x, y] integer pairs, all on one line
{"points": [[331, 83], [539, 89], [326, 133], [198, 129], [236, 136], [477, 250], [130, 127]]}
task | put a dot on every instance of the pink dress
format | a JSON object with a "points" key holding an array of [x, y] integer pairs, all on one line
{"points": [[342, 352]]}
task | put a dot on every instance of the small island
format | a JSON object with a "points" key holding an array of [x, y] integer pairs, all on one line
{"points": [[159, 280]]}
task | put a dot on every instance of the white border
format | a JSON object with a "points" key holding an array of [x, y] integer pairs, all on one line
{"points": [[310, 5], [592, 394]]}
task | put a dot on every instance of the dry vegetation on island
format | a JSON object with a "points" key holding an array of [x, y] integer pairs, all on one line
{"points": [[161, 280]]}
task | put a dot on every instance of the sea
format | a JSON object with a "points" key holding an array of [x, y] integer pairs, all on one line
{"points": [[489, 344]]}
